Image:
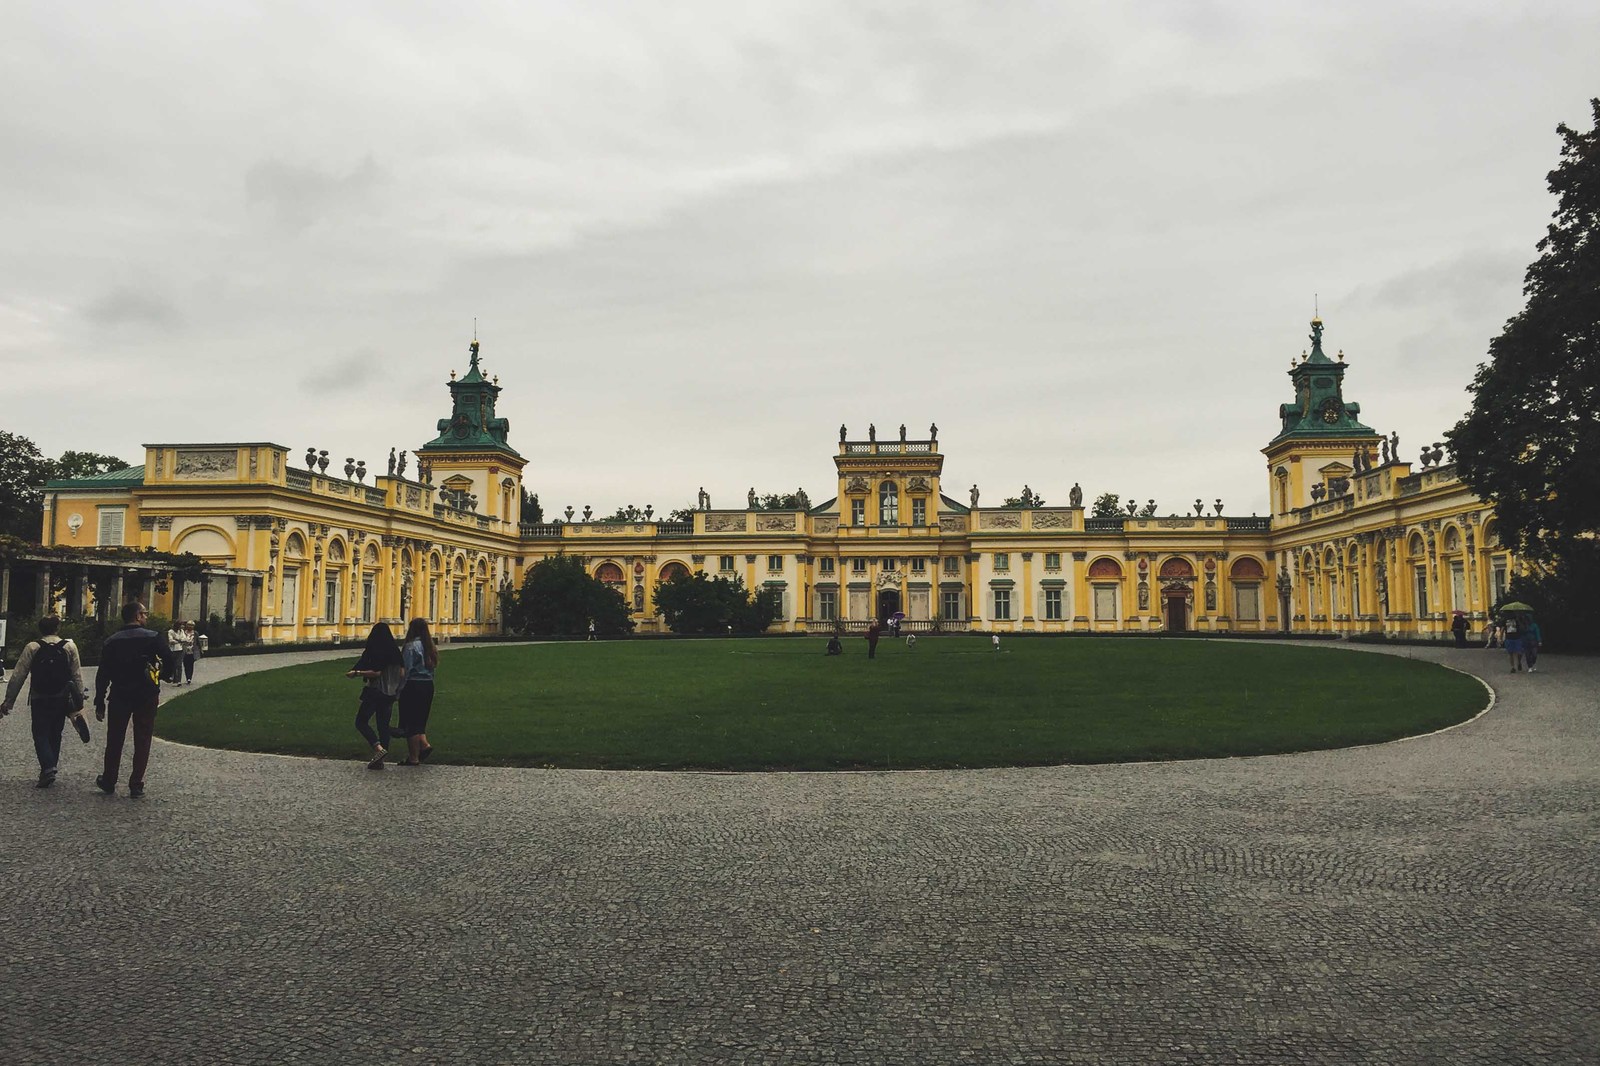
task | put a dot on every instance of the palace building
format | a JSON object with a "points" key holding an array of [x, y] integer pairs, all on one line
{"points": [[1358, 540]]}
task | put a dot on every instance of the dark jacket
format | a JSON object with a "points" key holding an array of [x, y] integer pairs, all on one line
{"points": [[125, 665]]}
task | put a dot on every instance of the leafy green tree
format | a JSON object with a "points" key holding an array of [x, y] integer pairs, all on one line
{"points": [[85, 464], [23, 472], [1530, 442], [779, 501], [682, 514], [1107, 505], [559, 597], [630, 513], [532, 511], [1148, 510], [695, 603], [1029, 498]]}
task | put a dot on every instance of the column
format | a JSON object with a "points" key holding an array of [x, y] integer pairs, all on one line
{"points": [[45, 603], [114, 608], [205, 598], [233, 593]]}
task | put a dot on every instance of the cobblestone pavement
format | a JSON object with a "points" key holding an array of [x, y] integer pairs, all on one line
{"points": [[1430, 901]]}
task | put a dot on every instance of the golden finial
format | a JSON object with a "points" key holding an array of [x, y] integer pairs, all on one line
{"points": [[497, 379], [1341, 355], [452, 375]]}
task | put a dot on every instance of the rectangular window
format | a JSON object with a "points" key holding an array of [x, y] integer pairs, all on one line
{"points": [[1002, 560], [889, 564], [330, 600], [827, 567], [433, 597], [774, 562], [919, 512], [858, 566], [1499, 582], [1421, 578], [1458, 587], [477, 601], [111, 524], [919, 566], [1052, 560], [1002, 605], [889, 505], [725, 563], [368, 589], [1247, 603], [950, 604], [1105, 603], [827, 605], [1052, 605], [455, 601], [858, 512], [952, 565]]}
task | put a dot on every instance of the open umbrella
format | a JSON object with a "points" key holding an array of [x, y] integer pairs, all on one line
{"points": [[1515, 605]]}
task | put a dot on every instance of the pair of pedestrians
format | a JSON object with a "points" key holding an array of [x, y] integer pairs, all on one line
{"points": [[128, 683], [396, 675]]}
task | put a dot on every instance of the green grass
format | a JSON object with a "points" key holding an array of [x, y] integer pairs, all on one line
{"points": [[782, 704]]}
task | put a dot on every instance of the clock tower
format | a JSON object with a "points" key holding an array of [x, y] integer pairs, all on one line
{"points": [[470, 462], [1315, 452]]}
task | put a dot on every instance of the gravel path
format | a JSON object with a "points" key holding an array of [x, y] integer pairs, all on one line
{"points": [[1429, 901]]}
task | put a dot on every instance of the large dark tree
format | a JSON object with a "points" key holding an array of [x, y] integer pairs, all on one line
{"points": [[1107, 505], [559, 597], [694, 603], [23, 472], [85, 464], [1531, 443]]}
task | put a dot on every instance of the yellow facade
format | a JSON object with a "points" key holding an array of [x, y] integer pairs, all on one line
{"points": [[1356, 543]]}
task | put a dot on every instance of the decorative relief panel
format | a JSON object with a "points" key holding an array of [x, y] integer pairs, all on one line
{"points": [[856, 484], [918, 484], [1052, 519], [725, 523], [775, 523], [952, 523], [826, 524], [208, 464], [999, 520], [413, 496]]}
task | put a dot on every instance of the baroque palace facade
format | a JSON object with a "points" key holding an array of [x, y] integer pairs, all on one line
{"points": [[1357, 541]]}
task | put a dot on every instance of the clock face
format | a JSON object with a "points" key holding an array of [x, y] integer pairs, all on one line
{"points": [[1330, 411]]}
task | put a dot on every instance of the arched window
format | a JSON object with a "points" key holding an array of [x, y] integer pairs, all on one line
{"points": [[1104, 569], [888, 504], [1282, 481], [610, 574], [1247, 569], [1177, 567], [673, 571], [1452, 539]]}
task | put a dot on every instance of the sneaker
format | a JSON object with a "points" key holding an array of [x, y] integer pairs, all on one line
{"points": [[378, 756], [46, 778], [100, 783], [135, 791], [82, 727]]}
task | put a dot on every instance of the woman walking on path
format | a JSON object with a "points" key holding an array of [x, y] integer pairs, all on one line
{"points": [[1532, 637], [1513, 642], [416, 696], [181, 640], [384, 669]]}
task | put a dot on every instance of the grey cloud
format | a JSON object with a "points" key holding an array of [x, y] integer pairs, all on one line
{"points": [[1461, 283], [344, 374], [299, 196], [132, 306]]}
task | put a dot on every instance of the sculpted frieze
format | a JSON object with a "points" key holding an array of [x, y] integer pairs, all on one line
{"points": [[1052, 519], [776, 523], [999, 520], [725, 523], [211, 463]]}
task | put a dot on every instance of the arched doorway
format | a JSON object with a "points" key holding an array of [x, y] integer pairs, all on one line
{"points": [[1177, 608], [888, 603]]}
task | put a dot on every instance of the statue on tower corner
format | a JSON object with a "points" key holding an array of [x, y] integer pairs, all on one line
{"points": [[841, 432], [703, 501], [974, 494], [750, 497], [1076, 496], [902, 433], [872, 431], [400, 467], [473, 348], [391, 462], [933, 432]]}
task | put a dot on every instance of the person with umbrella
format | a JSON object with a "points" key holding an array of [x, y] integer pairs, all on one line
{"points": [[1458, 626], [1515, 625]]}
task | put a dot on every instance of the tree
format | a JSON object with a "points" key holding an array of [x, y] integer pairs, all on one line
{"points": [[779, 501], [1029, 498], [1148, 510], [695, 603], [682, 514], [532, 512], [629, 513], [1107, 505], [559, 597], [85, 464], [23, 472], [1529, 444]]}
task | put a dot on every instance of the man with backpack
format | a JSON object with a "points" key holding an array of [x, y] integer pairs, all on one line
{"points": [[132, 663], [55, 695]]}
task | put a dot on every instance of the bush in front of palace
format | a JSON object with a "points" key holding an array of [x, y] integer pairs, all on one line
{"points": [[559, 598], [695, 603]]}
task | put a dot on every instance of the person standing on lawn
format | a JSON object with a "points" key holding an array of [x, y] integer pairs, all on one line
{"points": [[132, 663], [419, 656], [384, 669], [873, 632], [55, 695]]}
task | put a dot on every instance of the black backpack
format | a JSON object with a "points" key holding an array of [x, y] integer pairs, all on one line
{"points": [[51, 669]]}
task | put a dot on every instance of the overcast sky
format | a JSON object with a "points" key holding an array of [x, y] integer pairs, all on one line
{"points": [[697, 237]]}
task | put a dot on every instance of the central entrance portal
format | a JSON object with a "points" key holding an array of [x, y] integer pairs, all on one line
{"points": [[1177, 610], [888, 603]]}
